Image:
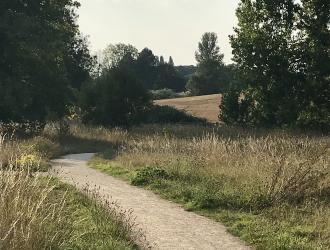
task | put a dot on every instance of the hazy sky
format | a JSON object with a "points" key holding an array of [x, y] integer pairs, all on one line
{"points": [[167, 27]]}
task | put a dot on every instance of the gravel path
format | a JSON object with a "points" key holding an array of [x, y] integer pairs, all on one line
{"points": [[166, 225]]}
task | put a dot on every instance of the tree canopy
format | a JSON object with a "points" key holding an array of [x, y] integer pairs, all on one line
{"points": [[282, 53], [210, 77], [42, 58]]}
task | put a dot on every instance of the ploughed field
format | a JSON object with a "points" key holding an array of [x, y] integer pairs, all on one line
{"points": [[206, 106]]}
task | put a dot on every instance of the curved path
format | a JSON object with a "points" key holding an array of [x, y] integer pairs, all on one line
{"points": [[166, 225]]}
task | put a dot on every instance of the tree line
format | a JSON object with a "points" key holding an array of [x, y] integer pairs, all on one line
{"points": [[280, 75]]}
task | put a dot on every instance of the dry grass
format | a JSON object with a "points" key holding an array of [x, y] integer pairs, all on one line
{"points": [[41, 213], [200, 106], [278, 166], [27, 219], [271, 187]]}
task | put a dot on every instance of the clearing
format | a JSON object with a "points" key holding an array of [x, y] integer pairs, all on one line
{"points": [[206, 106]]}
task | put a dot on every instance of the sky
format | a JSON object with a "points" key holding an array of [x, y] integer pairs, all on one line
{"points": [[167, 27]]}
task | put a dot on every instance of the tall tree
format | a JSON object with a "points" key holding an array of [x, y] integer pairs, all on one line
{"points": [[42, 56], [208, 49], [146, 64], [276, 54], [161, 60], [113, 55], [209, 78], [314, 54], [170, 61]]}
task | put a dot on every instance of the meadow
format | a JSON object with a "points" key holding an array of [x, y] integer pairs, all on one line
{"points": [[271, 188]]}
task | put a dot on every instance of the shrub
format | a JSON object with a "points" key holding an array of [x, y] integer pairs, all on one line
{"points": [[229, 108], [115, 98], [148, 175], [164, 94], [42, 146]]}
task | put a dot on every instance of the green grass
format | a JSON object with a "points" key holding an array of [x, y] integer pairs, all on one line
{"points": [[270, 189], [280, 227], [43, 213], [94, 225]]}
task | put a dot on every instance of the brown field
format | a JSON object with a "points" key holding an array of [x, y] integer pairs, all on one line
{"points": [[200, 106]]}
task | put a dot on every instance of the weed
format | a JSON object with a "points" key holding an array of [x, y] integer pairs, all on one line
{"points": [[148, 175]]}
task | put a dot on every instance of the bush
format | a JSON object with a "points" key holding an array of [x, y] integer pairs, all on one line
{"points": [[164, 94], [229, 108], [42, 146], [249, 107], [115, 98], [26, 128], [149, 175]]}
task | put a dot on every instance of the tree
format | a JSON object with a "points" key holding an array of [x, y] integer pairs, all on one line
{"points": [[113, 55], [79, 63], [314, 26], [208, 49], [146, 66], [42, 57], [277, 57], [161, 60], [167, 77], [120, 100], [171, 62], [209, 78]]}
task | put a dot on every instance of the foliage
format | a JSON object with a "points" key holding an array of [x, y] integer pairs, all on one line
{"points": [[171, 62], [113, 55], [114, 98], [163, 94], [149, 174], [281, 54], [152, 71], [186, 71], [43, 57], [230, 107], [210, 77], [168, 77]]}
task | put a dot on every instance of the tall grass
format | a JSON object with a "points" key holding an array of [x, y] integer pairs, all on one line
{"points": [[273, 167], [27, 219], [272, 188], [39, 212]]}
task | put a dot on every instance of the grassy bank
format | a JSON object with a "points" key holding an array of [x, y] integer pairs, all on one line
{"points": [[271, 188], [39, 212]]}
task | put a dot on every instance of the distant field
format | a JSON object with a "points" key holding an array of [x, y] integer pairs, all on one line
{"points": [[200, 106]]}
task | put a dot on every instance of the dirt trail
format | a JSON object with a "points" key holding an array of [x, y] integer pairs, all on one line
{"points": [[166, 225]]}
